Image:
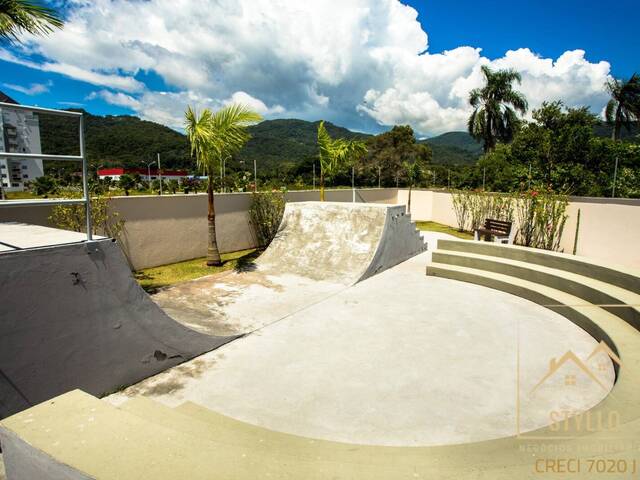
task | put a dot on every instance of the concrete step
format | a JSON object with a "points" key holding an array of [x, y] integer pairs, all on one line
{"points": [[617, 300], [622, 337], [620, 276], [192, 419]]}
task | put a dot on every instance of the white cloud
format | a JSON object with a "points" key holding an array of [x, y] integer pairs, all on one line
{"points": [[32, 89], [360, 63]]}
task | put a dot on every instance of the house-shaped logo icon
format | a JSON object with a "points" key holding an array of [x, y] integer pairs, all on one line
{"points": [[571, 358]]}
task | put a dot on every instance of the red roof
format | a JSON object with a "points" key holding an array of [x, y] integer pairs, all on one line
{"points": [[142, 171]]}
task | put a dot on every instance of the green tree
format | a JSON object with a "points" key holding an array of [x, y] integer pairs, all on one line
{"points": [[173, 185], [44, 185], [212, 138], [413, 171], [126, 182], [336, 154], [496, 106], [24, 16], [624, 107]]}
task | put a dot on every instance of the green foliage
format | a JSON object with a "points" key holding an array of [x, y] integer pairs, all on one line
{"points": [[540, 214], [336, 154], [496, 107], [126, 183], [173, 185], [25, 16], [266, 212], [561, 151], [215, 136], [541, 217], [106, 221], [389, 151], [43, 186], [624, 107]]}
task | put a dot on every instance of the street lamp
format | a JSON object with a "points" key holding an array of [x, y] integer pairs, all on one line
{"points": [[149, 173]]}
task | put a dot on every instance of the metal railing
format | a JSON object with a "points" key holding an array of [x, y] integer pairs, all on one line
{"points": [[86, 199]]}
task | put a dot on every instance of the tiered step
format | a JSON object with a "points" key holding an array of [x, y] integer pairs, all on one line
{"points": [[612, 288]]}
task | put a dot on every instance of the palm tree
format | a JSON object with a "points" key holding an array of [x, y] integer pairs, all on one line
{"points": [[495, 106], [214, 136], [20, 16], [335, 154], [624, 107]]}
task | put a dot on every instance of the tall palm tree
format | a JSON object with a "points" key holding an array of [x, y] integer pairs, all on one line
{"points": [[214, 136], [495, 117], [334, 154], [624, 107], [20, 16]]}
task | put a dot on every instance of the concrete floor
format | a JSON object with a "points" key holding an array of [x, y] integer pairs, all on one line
{"points": [[14, 235], [398, 359]]}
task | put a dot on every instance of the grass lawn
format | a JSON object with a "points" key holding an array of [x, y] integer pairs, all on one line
{"points": [[151, 279], [439, 227]]}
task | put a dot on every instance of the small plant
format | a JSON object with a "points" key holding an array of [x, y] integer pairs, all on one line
{"points": [[461, 204], [265, 214], [541, 217], [106, 221], [126, 183]]}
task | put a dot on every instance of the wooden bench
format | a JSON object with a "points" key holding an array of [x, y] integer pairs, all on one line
{"points": [[500, 230]]}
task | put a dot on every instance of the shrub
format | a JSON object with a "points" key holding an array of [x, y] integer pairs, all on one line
{"points": [[542, 217], [105, 220], [265, 214]]}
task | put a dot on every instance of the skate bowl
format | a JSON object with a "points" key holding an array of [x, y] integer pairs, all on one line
{"points": [[74, 317]]}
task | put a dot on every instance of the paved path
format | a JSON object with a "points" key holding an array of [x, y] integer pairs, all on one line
{"points": [[398, 359]]}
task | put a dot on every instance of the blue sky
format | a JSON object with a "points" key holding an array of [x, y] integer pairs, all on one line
{"points": [[606, 31], [364, 68]]}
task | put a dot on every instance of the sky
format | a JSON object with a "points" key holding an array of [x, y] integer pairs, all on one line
{"points": [[363, 64]]}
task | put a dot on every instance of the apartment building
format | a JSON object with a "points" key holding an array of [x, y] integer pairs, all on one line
{"points": [[20, 132]]}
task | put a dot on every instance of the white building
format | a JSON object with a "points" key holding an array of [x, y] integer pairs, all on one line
{"points": [[20, 134], [145, 174]]}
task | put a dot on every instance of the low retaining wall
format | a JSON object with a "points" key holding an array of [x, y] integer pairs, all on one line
{"points": [[171, 228], [609, 227]]}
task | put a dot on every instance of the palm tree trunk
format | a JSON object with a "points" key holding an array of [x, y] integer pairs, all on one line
{"points": [[321, 186], [213, 255], [617, 126]]}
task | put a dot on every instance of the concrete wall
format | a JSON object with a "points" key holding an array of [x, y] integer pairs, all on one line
{"points": [[161, 230], [172, 228], [609, 228]]}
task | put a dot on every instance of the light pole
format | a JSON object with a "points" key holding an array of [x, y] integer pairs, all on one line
{"points": [[314, 175], [159, 174], [149, 174], [255, 175], [379, 171]]}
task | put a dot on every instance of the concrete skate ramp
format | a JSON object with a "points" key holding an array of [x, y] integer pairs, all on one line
{"points": [[74, 317], [341, 242]]}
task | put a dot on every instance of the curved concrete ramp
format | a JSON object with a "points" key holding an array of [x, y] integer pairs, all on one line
{"points": [[342, 242], [72, 316], [320, 249]]}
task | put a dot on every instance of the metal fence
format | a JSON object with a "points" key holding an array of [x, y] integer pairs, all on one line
{"points": [[86, 199]]}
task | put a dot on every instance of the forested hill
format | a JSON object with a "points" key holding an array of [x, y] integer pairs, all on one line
{"points": [[126, 140], [454, 148]]}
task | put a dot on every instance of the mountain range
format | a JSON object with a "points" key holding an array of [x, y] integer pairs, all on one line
{"points": [[125, 140]]}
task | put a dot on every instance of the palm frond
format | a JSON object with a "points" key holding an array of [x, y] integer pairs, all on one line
{"points": [[18, 16]]}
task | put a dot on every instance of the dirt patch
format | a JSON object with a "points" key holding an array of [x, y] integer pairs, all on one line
{"points": [[170, 381]]}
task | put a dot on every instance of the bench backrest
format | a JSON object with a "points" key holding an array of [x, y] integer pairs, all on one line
{"points": [[499, 226]]}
